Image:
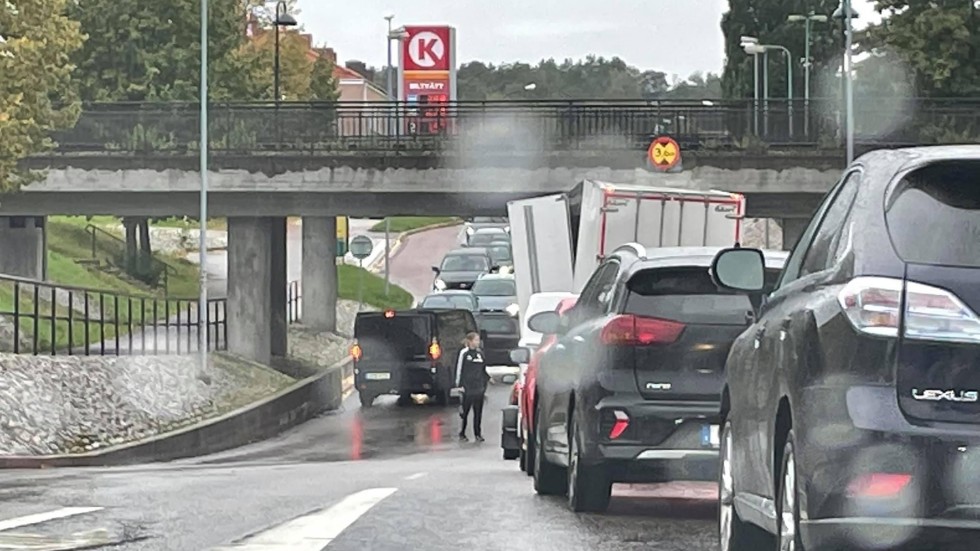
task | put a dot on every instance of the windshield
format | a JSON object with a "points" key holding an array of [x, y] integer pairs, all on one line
{"points": [[499, 253], [465, 263], [494, 288], [461, 302], [488, 220]]}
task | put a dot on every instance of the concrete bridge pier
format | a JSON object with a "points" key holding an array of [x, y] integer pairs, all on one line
{"points": [[320, 272], [256, 310], [23, 246], [793, 228]]}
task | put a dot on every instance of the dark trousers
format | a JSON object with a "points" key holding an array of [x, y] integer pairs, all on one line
{"points": [[474, 402]]}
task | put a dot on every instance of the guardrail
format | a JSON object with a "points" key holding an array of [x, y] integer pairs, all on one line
{"points": [[314, 128], [143, 266]]}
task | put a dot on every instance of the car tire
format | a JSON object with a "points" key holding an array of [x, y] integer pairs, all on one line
{"points": [[367, 400], [404, 399], [589, 486], [733, 533], [788, 525], [511, 455], [442, 398], [549, 479], [529, 455], [522, 460]]}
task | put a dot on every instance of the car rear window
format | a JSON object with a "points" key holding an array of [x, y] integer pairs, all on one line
{"points": [[688, 295], [449, 301], [933, 215], [403, 335], [494, 288], [465, 263], [499, 324]]}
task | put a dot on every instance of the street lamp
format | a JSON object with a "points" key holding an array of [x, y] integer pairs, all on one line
{"points": [[807, 62], [202, 307], [398, 35], [531, 87], [846, 13], [283, 19], [750, 45]]}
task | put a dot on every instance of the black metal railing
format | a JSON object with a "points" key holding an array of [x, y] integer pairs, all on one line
{"points": [[311, 128], [46, 318], [142, 266]]}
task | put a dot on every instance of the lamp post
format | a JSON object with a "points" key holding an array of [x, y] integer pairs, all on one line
{"points": [[752, 47], [399, 34], [283, 19], [808, 20], [202, 307], [846, 13], [747, 43]]}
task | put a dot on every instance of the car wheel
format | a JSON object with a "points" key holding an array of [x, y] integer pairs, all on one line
{"points": [[589, 487], [733, 534], [530, 453], [522, 460], [442, 398], [367, 400], [549, 479], [787, 504], [404, 399], [510, 455]]}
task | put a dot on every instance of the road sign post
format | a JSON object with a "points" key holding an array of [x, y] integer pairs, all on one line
{"points": [[665, 154], [360, 248]]}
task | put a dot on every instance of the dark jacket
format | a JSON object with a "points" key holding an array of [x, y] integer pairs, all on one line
{"points": [[471, 371]]}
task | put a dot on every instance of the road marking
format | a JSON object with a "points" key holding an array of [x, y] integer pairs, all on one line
{"points": [[316, 530], [415, 476], [38, 518]]}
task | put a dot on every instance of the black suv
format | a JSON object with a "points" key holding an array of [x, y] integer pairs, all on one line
{"points": [[632, 388], [851, 414]]}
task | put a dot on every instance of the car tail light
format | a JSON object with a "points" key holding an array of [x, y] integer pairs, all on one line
{"points": [[878, 485], [620, 424], [637, 330], [873, 306], [435, 351], [356, 352]]}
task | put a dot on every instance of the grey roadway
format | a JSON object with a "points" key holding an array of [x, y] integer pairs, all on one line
{"points": [[446, 494]]}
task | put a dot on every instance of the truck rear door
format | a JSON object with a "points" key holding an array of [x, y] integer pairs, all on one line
{"points": [[541, 244]]}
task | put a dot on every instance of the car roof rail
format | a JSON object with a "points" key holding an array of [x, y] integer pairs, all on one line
{"points": [[633, 248]]}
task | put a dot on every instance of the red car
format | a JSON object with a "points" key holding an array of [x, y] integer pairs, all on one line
{"points": [[523, 394]]}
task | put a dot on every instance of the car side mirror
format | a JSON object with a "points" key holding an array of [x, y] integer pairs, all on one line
{"points": [[743, 270], [435, 269], [546, 323], [520, 355]]}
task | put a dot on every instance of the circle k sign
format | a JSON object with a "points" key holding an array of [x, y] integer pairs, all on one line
{"points": [[427, 48]]}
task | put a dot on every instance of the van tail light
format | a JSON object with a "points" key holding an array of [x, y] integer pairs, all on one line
{"points": [[878, 485], [435, 351], [873, 305], [356, 352], [621, 423], [638, 330]]}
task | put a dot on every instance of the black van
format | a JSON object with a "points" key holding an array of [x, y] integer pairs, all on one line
{"points": [[408, 352]]}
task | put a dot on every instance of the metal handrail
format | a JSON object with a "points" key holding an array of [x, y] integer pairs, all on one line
{"points": [[165, 269]]}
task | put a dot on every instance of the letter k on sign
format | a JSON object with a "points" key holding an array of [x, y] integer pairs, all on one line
{"points": [[427, 49]]}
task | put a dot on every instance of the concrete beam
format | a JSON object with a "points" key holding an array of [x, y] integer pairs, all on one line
{"points": [[320, 272], [23, 246], [249, 309]]}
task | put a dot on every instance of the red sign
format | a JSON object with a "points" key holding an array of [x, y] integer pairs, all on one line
{"points": [[427, 49]]}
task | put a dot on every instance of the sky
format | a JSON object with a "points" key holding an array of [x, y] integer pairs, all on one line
{"points": [[677, 37]]}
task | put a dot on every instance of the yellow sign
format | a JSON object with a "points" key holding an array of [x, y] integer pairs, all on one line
{"points": [[342, 235], [664, 153]]}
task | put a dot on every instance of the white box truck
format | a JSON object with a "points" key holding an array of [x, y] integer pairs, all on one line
{"points": [[558, 240]]}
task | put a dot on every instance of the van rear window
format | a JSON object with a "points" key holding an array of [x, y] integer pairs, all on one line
{"points": [[933, 215]]}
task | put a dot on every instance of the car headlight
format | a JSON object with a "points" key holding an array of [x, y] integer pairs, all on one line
{"points": [[440, 284], [470, 230], [513, 309]]}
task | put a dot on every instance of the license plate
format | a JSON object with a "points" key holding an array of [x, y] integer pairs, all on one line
{"points": [[710, 436], [377, 376]]}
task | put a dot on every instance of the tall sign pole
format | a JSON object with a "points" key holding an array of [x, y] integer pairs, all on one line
{"points": [[202, 308], [848, 79]]}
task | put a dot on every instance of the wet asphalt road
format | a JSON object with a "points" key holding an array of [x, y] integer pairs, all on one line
{"points": [[447, 494], [443, 494]]}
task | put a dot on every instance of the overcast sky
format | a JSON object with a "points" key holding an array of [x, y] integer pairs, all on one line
{"points": [[674, 36]]}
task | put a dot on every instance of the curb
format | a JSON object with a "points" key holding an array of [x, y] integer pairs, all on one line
{"points": [[257, 421], [378, 264]]}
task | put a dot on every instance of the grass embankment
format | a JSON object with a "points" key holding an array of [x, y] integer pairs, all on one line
{"points": [[401, 224], [124, 300], [374, 288]]}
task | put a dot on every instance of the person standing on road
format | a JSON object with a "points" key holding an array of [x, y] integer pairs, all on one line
{"points": [[472, 379]]}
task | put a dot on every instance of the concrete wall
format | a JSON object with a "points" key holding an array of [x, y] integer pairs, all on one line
{"points": [[23, 247]]}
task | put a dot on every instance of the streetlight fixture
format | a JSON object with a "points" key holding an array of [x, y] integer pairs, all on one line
{"points": [[531, 87], [807, 62], [283, 19], [752, 47], [846, 13], [749, 44], [396, 35]]}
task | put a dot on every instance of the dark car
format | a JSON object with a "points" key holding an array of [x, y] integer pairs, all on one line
{"points": [[408, 352], [460, 268], [472, 225], [501, 254], [851, 412], [498, 316], [463, 300], [485, 236], [631, 390]]}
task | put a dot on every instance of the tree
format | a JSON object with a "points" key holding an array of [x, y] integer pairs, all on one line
{"points": [[295, 61], [323, 86], [937, 41], [36, 92]]}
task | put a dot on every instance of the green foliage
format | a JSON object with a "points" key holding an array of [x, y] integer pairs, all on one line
{"points": [[348, 279], [323, 86], [937, 42], [399, 224], [36, 91], [767, 20]]}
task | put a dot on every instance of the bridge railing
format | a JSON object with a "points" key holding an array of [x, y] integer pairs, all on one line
{"points": [[305, 128]]}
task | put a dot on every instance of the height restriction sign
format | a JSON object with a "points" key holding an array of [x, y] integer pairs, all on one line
{"points": [[664, 153]]}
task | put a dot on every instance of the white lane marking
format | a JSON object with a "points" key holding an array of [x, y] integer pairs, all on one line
{"points": [[316, 530], [38, 518], [415, 476]]}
